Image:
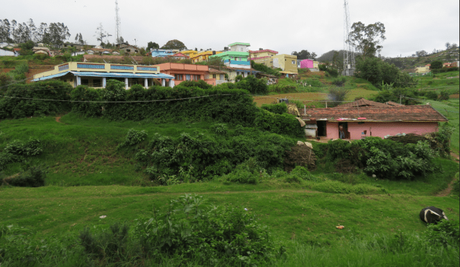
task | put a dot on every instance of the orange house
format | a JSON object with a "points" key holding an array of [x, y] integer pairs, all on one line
{"points": [[187, 72]]}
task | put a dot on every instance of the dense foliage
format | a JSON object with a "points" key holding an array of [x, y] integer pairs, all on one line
{"points": [[379, 72], [17, 151], [385, 159], [160, 104], [19, 99], [195, 157], [265, 69]]}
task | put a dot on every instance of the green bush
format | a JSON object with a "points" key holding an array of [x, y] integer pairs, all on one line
{"points": [[208, 235], [17, 151], [431, 95], [106, 246], [25, 100], [32, 177], [197, 156], [87, 94], [381, 157], [278, 123], [253, 85], [339, 81], [445, 233], [247, 172], [279, 108]]}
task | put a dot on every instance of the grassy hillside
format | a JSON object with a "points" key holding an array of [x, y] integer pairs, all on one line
{"points": [[410, 63]]}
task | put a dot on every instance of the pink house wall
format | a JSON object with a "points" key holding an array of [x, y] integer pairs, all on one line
{"points": [[306, 64], [381, 129]]}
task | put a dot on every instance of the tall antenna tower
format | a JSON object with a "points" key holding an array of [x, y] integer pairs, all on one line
{"points": [[117, 22], [348, 53]]}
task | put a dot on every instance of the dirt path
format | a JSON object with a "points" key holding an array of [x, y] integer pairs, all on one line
{"points": [[446, 191], [58, 119]]}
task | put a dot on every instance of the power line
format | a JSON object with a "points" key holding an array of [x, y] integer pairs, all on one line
{"points": [[112, 102]]}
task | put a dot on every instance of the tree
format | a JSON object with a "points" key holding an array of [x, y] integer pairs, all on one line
{"points": [[367, 38], [5, 30], [56, 34], [304, 54], [421, 53], [174, 44], [101, 34], [379, 72], [79, 39], [437, 64], [447, 45], [454, 45], [152, 45]]}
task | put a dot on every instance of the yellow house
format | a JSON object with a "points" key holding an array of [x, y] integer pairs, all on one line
{"points": [[424, 69], [203, 56], [189, 53], [287, 64], [96, 74], [263, 56], [315, 64]]}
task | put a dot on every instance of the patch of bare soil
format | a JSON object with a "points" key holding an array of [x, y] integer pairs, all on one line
{"points": [[58, 119], [446, 191]]}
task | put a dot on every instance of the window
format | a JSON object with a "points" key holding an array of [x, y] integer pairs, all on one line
{"points": [[187, 77], [97, 83], [84, 82], [179, 77], [214, 76], [293, 62]]}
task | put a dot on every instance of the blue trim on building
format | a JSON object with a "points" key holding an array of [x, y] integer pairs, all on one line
{"points": [[147, 68], [246, 63], [123, 75], [116, 67], [90, 66]]}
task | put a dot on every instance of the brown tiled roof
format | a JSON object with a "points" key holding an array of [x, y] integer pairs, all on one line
{"points": [[362, 103], [216, 71], [391, 103], [415, 113]]}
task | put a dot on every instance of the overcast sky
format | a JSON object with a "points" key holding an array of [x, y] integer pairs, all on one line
{"points": [[284, 26]]}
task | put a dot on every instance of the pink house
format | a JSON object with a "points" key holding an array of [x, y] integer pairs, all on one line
{"points": [[364, 118], [306, 64]]}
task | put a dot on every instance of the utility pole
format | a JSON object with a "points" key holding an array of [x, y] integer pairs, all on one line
{"points": [[117, 22], [348, 53]]}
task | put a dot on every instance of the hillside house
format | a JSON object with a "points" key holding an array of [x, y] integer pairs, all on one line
{"points": [[263, 56], [287, 64], [186, 72], [363, 118], [96, 74]]}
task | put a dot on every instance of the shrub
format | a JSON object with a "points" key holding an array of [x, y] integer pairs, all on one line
{"points": [[431, 95], [248, 172], [17, 151], [32, 177], [253, 85], [339, 81], [87, 94], [15, 105], [208, 235], [106, 246], [445, 233], [133, 137], [279, 108]]}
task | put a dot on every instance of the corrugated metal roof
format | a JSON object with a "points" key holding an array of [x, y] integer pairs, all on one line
{"points": [[51, 76]]}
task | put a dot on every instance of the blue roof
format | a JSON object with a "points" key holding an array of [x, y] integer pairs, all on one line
{"points": [[109, 75], [51, 76]]}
